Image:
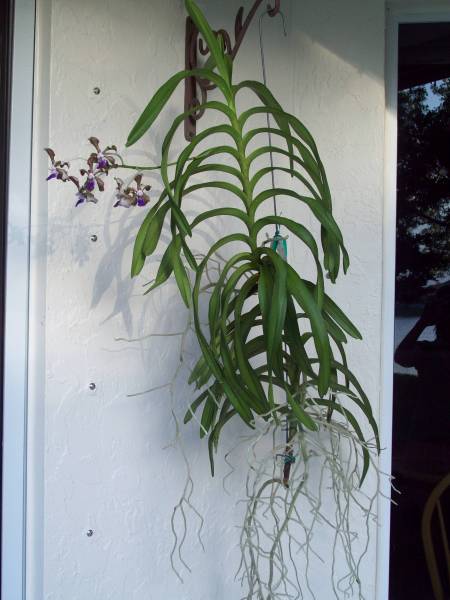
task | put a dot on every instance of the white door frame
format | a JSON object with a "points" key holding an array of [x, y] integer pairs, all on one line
{"points": [[402, 11], [17, 306]]}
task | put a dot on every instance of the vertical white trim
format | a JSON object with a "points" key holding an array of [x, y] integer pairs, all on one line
{"points": [[38, 276], [16, 306], [397, 13], [388, 304]]}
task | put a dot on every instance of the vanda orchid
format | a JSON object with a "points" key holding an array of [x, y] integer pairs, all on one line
{"points": [[272, 351]]}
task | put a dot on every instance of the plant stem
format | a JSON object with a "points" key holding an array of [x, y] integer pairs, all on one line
{"points": [[147, 168], [289, 452], [243, 163]]}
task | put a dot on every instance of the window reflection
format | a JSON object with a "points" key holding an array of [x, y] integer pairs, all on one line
{"points": [[420, 561]]}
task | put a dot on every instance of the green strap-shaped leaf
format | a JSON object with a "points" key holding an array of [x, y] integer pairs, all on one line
{"points": [[329, 244], [340, 318], [179, 218], [221, 185], [302, 295], [138, 253], [320, 212], [211, 41], [269, 100], [215, 300], [225, 416], [334, 330], [220, 212], [309, 162], [302, 234], [354, 423], [200, 374], [207, 106], [177, 215], [247, 398], [215, 151], [230, 389], [314, 168], [197, 167], [294, 339], [186, 153], [354, 381], [193, 407], [243, 364], [361, 400], [300, 413], [162, 96], [265, 292], [180, 273], [266, 170], [154, 229], [333, 310], [297, 126], [165, 268], [254, 400], [275, 311], [208, 415]]}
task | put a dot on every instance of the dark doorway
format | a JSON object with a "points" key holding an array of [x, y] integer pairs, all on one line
{"points": [[6, 28], [420, 522]]}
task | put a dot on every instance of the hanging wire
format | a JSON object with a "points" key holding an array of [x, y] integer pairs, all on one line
{"points": [[278, 242], [264, 74]]}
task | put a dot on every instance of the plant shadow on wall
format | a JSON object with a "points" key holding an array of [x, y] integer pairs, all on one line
{"points": [[272, 342]]}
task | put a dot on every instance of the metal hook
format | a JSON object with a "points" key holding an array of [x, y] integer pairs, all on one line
{"points": [[268, 12], [273, 12]]}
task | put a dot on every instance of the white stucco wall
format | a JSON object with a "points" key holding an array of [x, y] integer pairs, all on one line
{"points": [[108, 465]]}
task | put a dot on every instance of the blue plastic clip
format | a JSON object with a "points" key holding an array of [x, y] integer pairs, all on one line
{"points": [[278, 244], [288, 459]]}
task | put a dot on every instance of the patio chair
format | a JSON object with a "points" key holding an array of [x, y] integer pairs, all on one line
{"points": [[438, 504]]}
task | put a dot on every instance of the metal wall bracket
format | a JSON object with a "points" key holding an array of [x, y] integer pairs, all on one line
{"points": [[196, 89]]}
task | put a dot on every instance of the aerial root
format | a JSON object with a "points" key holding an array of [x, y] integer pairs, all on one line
{"points": [[287, 528]]}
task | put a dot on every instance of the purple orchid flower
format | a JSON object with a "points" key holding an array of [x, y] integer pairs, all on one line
{"points": [[53, 174], [123, 195], [132, 196], [93, 179], [102, 160], [140, 198], [59, 170], [102, 163], [80, 198], [84, 194], [122, 201], [90, 182], [99, 164]]}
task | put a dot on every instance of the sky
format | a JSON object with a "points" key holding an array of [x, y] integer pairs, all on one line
{"points": [[433, 99]]}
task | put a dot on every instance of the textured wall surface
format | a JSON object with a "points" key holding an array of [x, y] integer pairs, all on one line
{"points": [[110, 465]]}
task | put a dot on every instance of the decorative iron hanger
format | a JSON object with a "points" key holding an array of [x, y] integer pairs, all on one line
{"points": [[195, 44]]}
